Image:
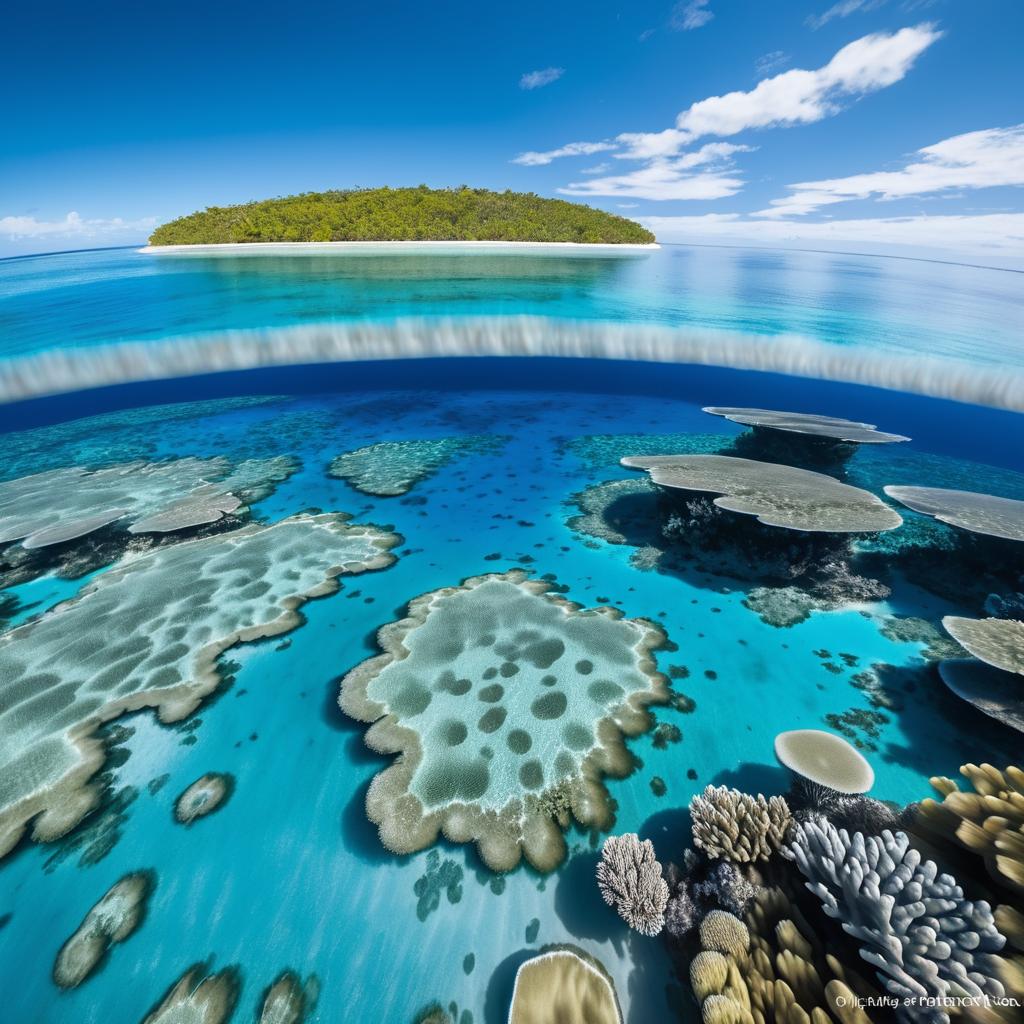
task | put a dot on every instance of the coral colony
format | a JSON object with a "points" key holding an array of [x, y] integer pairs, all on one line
{"points": [[499, 714]]}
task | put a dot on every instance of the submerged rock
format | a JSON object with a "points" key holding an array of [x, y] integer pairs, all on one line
{"points": [[287, 1000], [148, 633], [114, 918], [203, 797], [506, 706]]}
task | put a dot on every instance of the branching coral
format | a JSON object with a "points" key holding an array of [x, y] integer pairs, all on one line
{"points": [[630, 879], [915, 926], [770, 967], [988, 821], [738, 826]]}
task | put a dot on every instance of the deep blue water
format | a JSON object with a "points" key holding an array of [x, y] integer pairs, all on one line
{"points": [[289, 873]]}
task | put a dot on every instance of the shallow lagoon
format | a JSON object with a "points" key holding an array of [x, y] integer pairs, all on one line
{"points": [[288, 873]]}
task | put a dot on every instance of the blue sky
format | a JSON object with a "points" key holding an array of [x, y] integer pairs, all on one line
{"points": [[868, 125]]}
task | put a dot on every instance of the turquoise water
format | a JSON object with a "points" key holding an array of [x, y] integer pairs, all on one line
{"points": [[289, 873]]}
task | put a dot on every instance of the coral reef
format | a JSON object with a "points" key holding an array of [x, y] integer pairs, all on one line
{"points": [[630, 879], [138, 636], [599, 451], [777, 495], [997, 642], [808, 424], [985, 514], [113, 919], [564, 985], [288, 1000], [392, 468], [997, 693], [988, 821], [924, 938], [64, 504], [198, 998], [604, 510], [737, 826], [506, 706], [824, 758], [770, 966], [206, 795]]}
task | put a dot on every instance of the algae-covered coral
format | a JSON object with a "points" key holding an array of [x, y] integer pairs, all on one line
{"points": [[147, 634], [506, 705], [391, 468], [113, 919]]}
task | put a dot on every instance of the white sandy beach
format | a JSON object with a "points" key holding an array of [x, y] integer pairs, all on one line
{"points": [[377, 248]]}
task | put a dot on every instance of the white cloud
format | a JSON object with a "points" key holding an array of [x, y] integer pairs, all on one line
{"points": [[981, 159], [536, 159], [792, 97], [690, 14], [72, 226], [842, 9], [538, 79], [596, 169], [769, 62], [802, 97], [664, 178], [994, 237]]}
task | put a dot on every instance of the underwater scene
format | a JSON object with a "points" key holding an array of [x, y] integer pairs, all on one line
{"points": [[519, 637]]}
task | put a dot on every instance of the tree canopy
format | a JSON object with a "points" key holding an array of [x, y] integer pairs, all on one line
{"points": [[402, 214]]}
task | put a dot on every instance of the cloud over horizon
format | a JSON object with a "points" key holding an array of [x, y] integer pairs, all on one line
{"points": [[72, 226]]}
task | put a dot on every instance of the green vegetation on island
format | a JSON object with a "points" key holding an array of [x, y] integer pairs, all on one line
{"points": [[402, 214]]}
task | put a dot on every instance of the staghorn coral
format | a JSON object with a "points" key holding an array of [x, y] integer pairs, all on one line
{"points": [[738, 826], [988, 821], [630, 879], [924, 938]]}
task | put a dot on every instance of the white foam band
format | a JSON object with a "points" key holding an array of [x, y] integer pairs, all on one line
{"points": [[61, 371]]}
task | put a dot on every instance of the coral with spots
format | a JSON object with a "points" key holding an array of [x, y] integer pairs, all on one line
{"points": [[925, 939], [630, 880], [148, 633], [737, 826], [507, 706]]}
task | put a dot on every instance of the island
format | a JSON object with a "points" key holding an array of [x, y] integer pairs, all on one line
{"points": [[380, 215]]}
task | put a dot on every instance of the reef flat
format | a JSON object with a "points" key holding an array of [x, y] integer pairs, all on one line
{"points": [[507, 706], [148, 634]]}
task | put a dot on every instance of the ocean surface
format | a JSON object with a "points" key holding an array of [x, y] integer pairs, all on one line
{"points": [[289, 874]]}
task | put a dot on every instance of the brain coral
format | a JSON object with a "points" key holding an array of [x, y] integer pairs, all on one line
{"points": [[507, 706], [147, 633], [785, 496]]}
